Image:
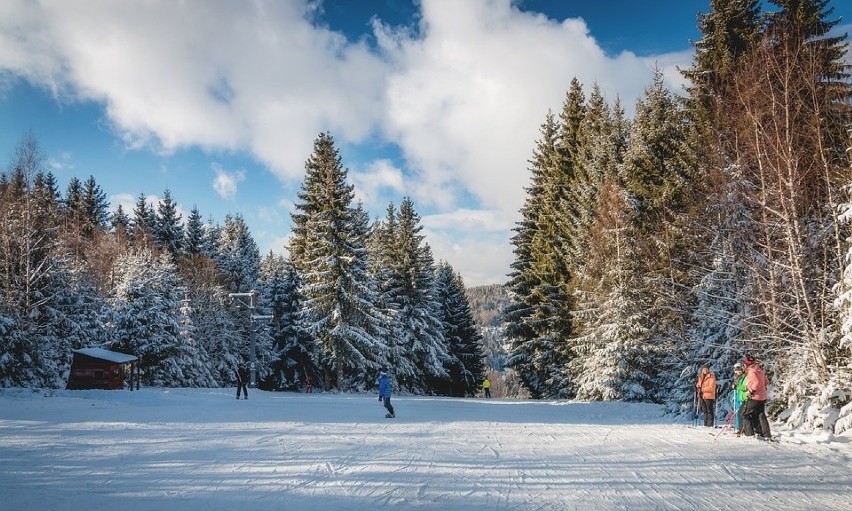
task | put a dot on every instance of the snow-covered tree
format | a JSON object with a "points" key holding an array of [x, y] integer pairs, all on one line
{"points": [[464, 366], [237, 255], [147, 321], [297, 356], [328, 249], [168, 230], [193, 234]]}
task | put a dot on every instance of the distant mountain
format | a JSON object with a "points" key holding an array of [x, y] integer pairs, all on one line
{"points": [[487, 304]]}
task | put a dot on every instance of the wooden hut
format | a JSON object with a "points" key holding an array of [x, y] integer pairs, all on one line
{"points": [[97, 368]]}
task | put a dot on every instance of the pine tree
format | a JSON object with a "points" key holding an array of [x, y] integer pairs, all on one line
{"points": [[143, 223], [168, 231], [615, 361], [120, 223], [527, 323], [237, 255], [193, 234], [415, 305], [465, 363], [328, 249], [729, 30], [298, 356], [146, 320], [96, 207]]}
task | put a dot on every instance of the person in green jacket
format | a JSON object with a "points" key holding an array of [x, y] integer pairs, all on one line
{"points": [[740, 398]]}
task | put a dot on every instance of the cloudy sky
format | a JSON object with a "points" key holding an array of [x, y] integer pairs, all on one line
{"points": [[219, 101]]}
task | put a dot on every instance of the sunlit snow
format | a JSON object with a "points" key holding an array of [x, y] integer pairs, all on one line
{"points": [[201, 449]]}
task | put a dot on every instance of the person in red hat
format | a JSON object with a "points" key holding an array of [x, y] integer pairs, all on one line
{"points": [[755, 411]]}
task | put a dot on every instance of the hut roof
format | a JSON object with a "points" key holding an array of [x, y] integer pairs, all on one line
{"points": [[110, 356]]}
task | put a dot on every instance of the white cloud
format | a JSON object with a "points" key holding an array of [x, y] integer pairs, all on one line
{"points": [[463, 97], [380, 176], [226, 182]]}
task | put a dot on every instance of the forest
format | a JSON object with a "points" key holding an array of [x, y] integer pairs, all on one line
{"points": [[709, 226], [193, 299]]}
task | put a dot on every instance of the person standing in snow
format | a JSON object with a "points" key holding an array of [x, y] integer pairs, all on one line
{"points": [[755, 410], [242, 380], [741, 396], [486, 386], [706, 386], [309, 384], [385, 393]]}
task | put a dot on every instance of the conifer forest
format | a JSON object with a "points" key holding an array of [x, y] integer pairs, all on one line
{"points": [[713, 223]]}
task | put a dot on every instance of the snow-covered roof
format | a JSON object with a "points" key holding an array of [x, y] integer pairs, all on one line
{"points": [[111, 356]]}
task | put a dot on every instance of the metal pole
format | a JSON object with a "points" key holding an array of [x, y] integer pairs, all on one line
{"points": [[253, 355]]}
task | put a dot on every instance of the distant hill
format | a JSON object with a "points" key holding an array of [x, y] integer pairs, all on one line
{"points": [[487, 304]]}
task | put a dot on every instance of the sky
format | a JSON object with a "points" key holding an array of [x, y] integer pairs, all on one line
{"points": [[219, 101], [202, 450]]}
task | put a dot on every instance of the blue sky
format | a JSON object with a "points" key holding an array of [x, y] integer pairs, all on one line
{"points": [[220, 101]]}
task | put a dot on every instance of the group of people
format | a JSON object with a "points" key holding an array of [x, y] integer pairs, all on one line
{"points": [[749, 385]]}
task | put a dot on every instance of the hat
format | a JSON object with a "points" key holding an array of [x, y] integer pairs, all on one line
{"points": [[749, 360], [383, 371], [738, 366]]}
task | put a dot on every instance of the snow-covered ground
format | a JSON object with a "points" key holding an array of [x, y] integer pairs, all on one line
{"points": [[200, 449]]}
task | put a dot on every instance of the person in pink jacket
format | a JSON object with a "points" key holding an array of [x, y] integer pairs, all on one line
{"points": [[755, 407]]}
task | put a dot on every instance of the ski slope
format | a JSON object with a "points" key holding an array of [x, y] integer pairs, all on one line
{"points": [[203, 450]]}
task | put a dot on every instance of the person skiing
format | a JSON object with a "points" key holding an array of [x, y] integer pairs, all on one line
{"points": [[755, 410], [740, 397], [706, 386], [309, 384], [242, 380], [486, 386], [385, 393]]}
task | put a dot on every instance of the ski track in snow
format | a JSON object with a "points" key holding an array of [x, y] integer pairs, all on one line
{"points": [[199, 449]]}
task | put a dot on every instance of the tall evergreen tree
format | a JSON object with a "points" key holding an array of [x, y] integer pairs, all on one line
{"points": [[527, 319], [465, 363], [298, 357], [143, 223], [328, 249], [237, 255], [146, 317], [168, 230], [96, 207], [193, 234], [415, 305]]}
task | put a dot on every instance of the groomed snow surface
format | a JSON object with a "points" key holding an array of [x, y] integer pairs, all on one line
{"points": [[201, 449]]}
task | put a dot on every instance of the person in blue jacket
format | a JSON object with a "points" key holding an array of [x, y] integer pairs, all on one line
{"points": [[385, 392]]}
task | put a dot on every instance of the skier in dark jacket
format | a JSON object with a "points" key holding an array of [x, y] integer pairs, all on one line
{"points": [[385, 393], [242, 380]]}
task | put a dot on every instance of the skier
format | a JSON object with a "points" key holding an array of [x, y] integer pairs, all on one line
{"points": [[242, 380], [309, 384], [706, 386], [486, 386], [740, 398], [755, 411], [385, 393]]}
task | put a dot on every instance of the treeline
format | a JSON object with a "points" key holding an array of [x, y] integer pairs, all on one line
{"points": [[707, 227], [352, 297]]}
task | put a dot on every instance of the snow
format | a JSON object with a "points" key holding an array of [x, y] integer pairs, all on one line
{"points": [[201, 449]]}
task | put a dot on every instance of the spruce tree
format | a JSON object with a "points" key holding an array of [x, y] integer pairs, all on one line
{"points": [[527, 323], [328, 249], [298, 356], [237, 256], [96, 207], [193, 234], [168, 230], [465, 363]]}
